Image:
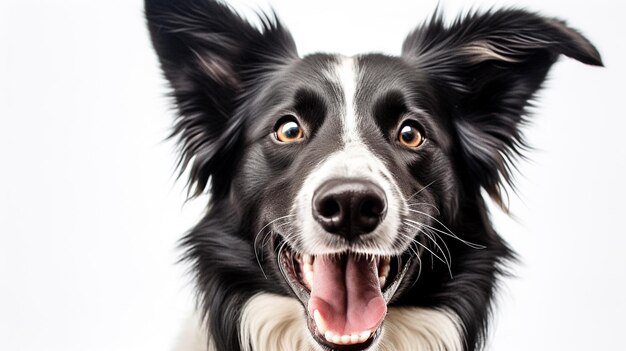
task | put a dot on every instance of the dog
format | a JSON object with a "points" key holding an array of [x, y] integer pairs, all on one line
{"points": [[348, 194]]}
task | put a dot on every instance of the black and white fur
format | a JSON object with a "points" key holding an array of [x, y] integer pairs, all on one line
{"points": [[467, 85]]}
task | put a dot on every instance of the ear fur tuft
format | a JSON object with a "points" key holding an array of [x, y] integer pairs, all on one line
{"points": [[211, 56], [490, 65]]}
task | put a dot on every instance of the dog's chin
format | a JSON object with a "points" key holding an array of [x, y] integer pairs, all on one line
{"points": [[345, 295]]}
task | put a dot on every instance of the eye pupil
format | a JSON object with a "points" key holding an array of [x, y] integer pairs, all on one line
{"points": [[291, 130], [410, 136]]}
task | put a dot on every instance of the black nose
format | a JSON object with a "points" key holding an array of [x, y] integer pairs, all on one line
{"points": [[349, 207]]}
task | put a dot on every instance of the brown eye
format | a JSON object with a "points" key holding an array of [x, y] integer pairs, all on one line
{"points": [[410, 136], [289, 131]]}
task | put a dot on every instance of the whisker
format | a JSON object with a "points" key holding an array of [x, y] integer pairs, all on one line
{"points": [[428, 234], [419, 263], [280, 250], [263, 242], [267, 225], [436, 220], [419, 191], [448, 233], [430, 231], [425, 204], [448, 261], [429, 250]]}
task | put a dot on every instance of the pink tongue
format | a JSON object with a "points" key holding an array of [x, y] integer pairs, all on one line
{"points": [[347, 294]]}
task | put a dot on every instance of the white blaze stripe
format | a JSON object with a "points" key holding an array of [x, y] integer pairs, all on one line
{"points": [[347, 79]]}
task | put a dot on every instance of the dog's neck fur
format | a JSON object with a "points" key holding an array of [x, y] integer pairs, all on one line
{"points": [[275, 323]]}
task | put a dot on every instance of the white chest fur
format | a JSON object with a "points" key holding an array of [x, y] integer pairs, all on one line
{"points": [[275, 323]]}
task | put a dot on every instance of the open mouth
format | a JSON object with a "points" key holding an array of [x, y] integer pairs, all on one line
{"points": [[345, 295]]}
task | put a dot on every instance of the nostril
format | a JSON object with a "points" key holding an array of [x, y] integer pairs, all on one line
{"points": [[329, 211], [329, 208], [372, 207]]}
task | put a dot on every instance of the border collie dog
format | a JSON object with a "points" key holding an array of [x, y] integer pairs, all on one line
{"points": [[348, 194]]}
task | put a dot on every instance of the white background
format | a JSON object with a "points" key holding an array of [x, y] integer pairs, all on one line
{"points": [[90, 210]]}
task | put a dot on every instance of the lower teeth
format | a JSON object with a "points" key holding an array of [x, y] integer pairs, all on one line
{"points": [[353, 338]]}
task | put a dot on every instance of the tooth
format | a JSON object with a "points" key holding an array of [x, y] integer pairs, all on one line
{"points": [[319, 321], [382, 280], [345, 339], [384, 270], [308, 275], [329, 335], [354, 338], [363, 336], [337, 339], [308, 267], [308, 259]]}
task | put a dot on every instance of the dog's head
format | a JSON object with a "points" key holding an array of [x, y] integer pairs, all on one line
{"points": [[344, 172]]}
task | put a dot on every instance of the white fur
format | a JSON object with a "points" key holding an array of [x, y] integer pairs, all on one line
{"points": [[482, 50], [423, 329], [273, 323], [346, 76], [276, 323]]}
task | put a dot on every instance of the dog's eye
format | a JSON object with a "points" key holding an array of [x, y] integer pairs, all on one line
{"points": [[410, 135], [288, 131]]}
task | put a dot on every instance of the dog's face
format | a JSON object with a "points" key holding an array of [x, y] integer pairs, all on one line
{"points": [[338, 175], [348, 164]]}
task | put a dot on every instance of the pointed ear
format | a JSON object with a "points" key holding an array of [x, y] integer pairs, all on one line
{"points": [[211, 57], [488, 66]]}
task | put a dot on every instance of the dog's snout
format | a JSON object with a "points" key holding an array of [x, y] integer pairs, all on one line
{"points": [[349, 207]]}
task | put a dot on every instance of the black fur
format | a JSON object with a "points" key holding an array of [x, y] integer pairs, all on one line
{"points": [[231, 82]]}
